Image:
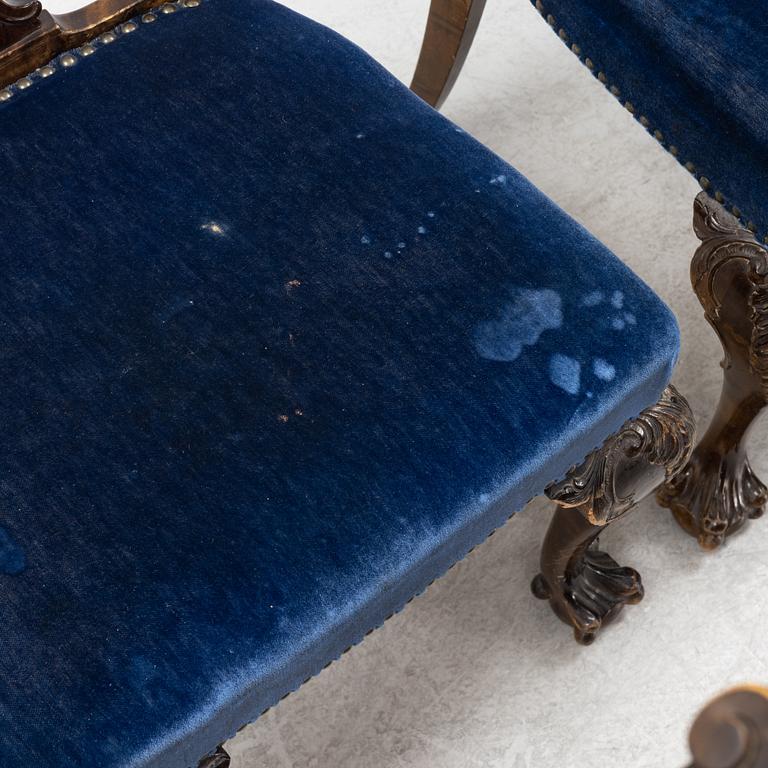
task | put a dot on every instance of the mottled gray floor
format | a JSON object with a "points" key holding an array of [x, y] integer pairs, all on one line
{"points": [[475, 672]]}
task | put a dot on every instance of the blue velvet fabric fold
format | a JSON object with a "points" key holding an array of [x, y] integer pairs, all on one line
{"points": [[695, 70], [280, 344]]}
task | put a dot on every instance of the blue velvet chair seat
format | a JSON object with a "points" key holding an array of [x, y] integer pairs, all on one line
{"points": [[695, 75], [280, 345]]}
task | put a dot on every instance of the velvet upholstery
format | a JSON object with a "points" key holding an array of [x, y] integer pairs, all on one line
{"points": [[695, 74], [280, 345]]}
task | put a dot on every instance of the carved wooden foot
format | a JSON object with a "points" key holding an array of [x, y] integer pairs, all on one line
{"points": [[219, 759], [451, 28], [718, 492], [587, 588]]}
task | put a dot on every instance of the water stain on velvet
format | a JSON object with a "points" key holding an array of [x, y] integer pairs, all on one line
{"points": [[13, 561], [565, 373], [518, 323]]}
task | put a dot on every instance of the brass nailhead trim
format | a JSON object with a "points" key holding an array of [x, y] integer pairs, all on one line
{"points": [[630, 107], [69, 59]]}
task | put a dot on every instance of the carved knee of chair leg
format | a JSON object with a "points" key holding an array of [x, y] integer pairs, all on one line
{"points": [[219, 759], [586, 587], [718, 492]]}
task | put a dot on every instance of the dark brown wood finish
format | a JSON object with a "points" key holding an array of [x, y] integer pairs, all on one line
{"points": [[586, 587], [451, 27], [219, 759], [31, 37], [718, 492], [732, 731]]}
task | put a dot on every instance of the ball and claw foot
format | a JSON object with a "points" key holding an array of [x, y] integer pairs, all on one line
{"points": [[594, 596]]}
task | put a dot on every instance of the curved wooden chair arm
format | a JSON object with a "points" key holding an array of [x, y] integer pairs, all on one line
{"points": [[451, 27], [30, 36], [732, 731]]}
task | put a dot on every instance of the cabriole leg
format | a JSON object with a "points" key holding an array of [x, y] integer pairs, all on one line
{"points": [[585, 587], [718, 492]]}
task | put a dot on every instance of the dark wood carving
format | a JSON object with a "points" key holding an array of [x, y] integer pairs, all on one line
{"points": [[451, 27], [718, 492], [586, 587], [219, 759], [31, 37], [732, 731]]}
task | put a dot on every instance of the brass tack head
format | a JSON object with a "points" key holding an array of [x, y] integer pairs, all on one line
{"points": [[5, 94], [630, 107], [191, 3], [719, 196], [658, 135], [765, 239], [751, 226], [108, 37], [644, 121], [23, 84], [689, 166], [673, 150], [68, 60], [551, 20], [562, 34], [601, 77], [130, 26], [736, 212], [589, 63], [168, 8], [576, 49], [148, 18], [615, 90], [704, 182], [87, 50], [46, 71], [539, 6]]}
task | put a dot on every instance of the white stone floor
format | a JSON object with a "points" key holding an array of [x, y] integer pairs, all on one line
{"points": [[475, 673]]}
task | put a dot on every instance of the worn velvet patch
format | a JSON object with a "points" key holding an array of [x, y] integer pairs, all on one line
{"points": [[280, 344], [696, 71]]}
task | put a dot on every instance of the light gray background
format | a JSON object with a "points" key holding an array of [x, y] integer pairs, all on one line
{"points": [[475, 672]]}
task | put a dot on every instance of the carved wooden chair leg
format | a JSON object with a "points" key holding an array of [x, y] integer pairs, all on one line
{"points": [[451, 28], [586, 587], [219, 759], [732, 731], [718, 492]]}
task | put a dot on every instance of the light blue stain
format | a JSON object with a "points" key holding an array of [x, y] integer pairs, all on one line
{"points": [[431, 214], [13, 561], [365, 240], [387, 254], [499, 180], [592, 299], [401, 245], [617, 299], [565, 372], [360, 136], [617, 324], [630, 318], [520, 322], [603, 370], [422, 230]]}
